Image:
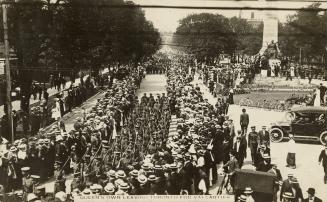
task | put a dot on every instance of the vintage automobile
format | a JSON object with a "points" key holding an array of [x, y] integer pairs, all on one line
{"points": [[304, 123]]}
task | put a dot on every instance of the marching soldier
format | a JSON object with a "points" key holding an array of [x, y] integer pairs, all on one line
{"points": [[253, 144], [60, 180]]}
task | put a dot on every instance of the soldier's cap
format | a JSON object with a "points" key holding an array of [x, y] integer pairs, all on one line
{"points": [[201, 152], [142, 179], [124, 186], [57, 162], [120, 174], [252, 127], [32, 139], [288, 195], [262, 146], [109, 188], [98, 157], [25, 168], [187, 155], [134, 173], [19, 192], [105, 142], [105, 146], [157, 167], [36, 177], [47, 141], [290, 175], [87, 156], [264, 126], [77, 174], [152, 178]]}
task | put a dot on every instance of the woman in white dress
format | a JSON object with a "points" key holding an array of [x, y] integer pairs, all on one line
{"points": [[316, 102]]}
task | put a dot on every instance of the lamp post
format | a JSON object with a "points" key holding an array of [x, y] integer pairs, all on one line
{"points": [[7, 71]]}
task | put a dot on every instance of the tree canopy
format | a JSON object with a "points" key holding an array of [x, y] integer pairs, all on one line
{"points": [[306, 30], [207, 35], [69, 35]]}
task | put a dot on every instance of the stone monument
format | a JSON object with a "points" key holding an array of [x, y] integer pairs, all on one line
{"points": [[269, 47], [270, 28]]}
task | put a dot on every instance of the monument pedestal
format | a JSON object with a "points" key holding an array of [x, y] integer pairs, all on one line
{"points": [[264, 73]]}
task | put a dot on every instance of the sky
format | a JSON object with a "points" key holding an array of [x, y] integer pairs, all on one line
{"points": [[167, 19]]}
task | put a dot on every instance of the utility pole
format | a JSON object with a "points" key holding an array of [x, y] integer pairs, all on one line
{"points": [[7, 71]]}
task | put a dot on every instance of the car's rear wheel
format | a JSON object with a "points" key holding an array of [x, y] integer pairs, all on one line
{"points": [[323, 138], [276, 135]]}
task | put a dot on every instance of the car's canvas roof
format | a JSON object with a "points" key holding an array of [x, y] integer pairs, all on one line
{"points": [[309, 109]]}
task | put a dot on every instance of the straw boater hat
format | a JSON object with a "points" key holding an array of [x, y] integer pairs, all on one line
{"points": [[111, 173], [109, 188], [124, 186], [242, 198], [288, 195], [134, 173], [248, 190], [152, 178], [142, 179]]}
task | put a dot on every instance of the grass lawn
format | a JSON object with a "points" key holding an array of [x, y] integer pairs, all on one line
{"points": [[271, 96]]}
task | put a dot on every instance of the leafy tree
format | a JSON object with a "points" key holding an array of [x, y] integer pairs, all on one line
{"points": [[306, 30], [70, 35], [208, 35]]}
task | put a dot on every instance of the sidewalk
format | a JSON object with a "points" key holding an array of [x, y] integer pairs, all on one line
{"points": [[51, 91]]}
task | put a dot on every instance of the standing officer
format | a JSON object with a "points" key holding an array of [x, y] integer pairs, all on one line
{"points": [[253, 143], [323, 159], [244, 121]]}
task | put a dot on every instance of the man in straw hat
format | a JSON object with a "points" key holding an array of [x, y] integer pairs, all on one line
{"points": [[287, 197], [248, 193], [286, 185]]}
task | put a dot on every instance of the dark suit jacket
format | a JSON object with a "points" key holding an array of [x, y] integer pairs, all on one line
{"points": [[244, 119], [286, 187], [323, 158], [264, 137], [315, 200], [242, 148], [278, 177]]}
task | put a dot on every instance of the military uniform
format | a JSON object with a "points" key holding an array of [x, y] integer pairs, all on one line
{"points": [[253, 144]]}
